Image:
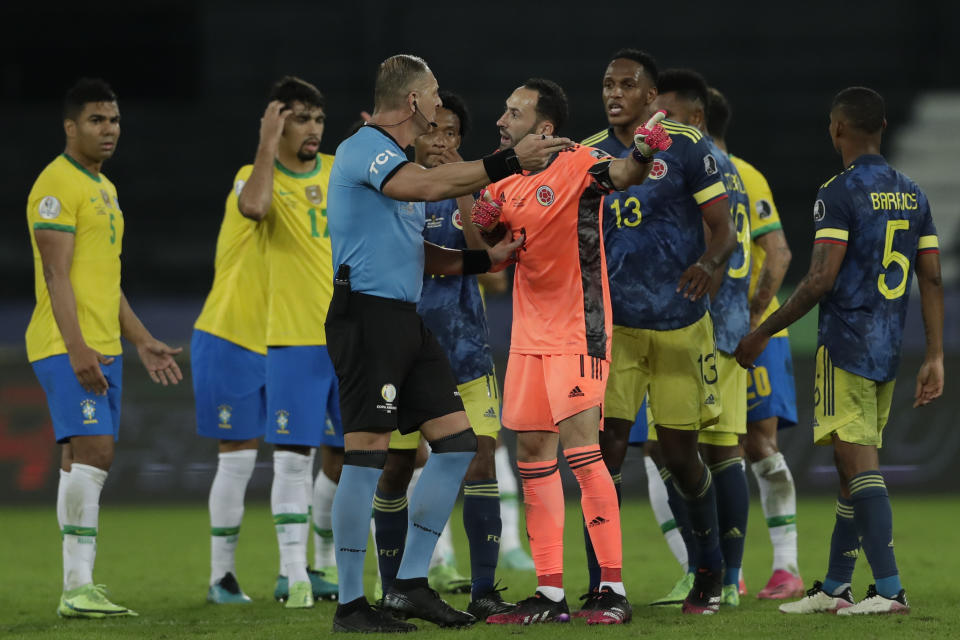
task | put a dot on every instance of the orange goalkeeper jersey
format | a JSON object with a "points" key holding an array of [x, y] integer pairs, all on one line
{"points": [[561, 298]]}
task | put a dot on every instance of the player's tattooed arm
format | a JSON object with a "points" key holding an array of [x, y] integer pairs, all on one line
{"points": [[930, 377], [775, 262], [56, 255], [698, 277], [257, 194], [825, 264], [156, 356]]}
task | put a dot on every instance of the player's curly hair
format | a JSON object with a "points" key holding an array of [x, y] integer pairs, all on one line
{"points": [[290, 89], [642, 58], [456, 104], [84, 91], [718, 114], [686, 83], [396, 77], [552, 102], [862, 107]]}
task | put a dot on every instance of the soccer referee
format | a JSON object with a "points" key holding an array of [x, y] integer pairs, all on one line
{"points": [[393, 373]]}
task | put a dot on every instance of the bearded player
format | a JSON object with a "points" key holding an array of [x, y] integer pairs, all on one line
{"points": [[560, 344]]}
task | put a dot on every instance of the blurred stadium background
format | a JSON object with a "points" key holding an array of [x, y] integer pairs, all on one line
{"points": [[192, 78]]}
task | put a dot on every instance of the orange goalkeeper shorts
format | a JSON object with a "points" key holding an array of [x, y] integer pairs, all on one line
{"points": [[541, 390]]}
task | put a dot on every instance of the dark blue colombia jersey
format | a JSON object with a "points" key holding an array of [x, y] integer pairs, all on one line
{"points": [[730, 308], [884, 220], [451, 306], [653, 231]]}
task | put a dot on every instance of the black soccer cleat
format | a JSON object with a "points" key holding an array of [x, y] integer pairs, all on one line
{"points": [[609, 607], [489, 604], [534, 610], [704, 596], [413, 598], [359, 617], [589, 604]]}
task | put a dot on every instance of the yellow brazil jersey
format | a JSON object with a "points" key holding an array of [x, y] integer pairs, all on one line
{"points": [[763, 219], [236, 307], [66, 197], [298, 256]]}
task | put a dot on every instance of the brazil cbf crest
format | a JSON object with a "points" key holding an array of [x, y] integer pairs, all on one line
{"points": [[283, 419], [224, 413], [314, 193], [88, 408]]}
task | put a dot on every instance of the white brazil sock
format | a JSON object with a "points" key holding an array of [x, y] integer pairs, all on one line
{"points": [[288, 501], [81, 499], [234, 469]]}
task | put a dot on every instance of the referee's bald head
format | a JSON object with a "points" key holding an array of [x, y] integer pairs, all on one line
{"points": [[397, 76]]}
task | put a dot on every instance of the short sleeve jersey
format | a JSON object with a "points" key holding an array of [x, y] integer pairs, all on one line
{"points": [[730, 307], [380, 238], [561, 297], [236, 307], [654, 231], [68, 198], [451, 306], [884, 220], [296, 247], [764, 218]]}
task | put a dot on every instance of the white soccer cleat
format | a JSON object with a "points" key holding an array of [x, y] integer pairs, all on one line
{"points": [[875, 603], [819, 601]]}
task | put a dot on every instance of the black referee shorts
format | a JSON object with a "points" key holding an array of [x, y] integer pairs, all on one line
{"points": [[393, 373]]}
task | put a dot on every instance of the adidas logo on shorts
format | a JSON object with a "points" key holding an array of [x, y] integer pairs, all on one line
{"points": [[575, 392], [710, 400], [490, 413]]}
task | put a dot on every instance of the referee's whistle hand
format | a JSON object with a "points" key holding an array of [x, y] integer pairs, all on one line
{"points": [[504, 252], [535, 150]]}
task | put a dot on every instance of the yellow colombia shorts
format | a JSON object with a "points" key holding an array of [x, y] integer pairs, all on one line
{"points": [[733, 418], [853, 407], [481, 400], [677, 370]]}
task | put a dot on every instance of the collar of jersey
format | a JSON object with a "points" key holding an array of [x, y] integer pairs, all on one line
{"points": [[81, 167], [869, 158], [384, 132], [549, 162], [292, 174]]}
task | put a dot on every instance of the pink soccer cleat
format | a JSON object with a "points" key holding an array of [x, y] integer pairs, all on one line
{"points": [[782, 585]]}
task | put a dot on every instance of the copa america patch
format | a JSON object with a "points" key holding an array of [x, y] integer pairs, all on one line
{"points": [[545, 195], [819, 210], [710, 164], [49, 208], [764, 209], [658, 169]]}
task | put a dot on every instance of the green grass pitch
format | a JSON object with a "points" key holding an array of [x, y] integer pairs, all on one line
{"points": [[156, 561]]}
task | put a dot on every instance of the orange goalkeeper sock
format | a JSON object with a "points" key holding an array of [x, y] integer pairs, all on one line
{"points": [[601, 509], [544, 509]]}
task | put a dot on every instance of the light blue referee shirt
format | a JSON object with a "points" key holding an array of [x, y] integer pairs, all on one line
{"points": [[379, 237]]}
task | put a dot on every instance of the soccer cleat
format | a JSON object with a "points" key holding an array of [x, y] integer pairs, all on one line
{"points": [[819, 601], [875, 603], [422, 602], [323, 589], [329, 574], [227, 590], [90, 601], [517, 559], [742, 585], [536, 609], [589, 604], [704, 596], [359, 617], [490, 604], [782, 585], [730, 595], [300, 596], [677, 595], [445, 578], [610, 608]]}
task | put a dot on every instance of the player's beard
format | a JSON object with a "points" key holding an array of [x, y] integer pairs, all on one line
{"points": [[306, 156]]}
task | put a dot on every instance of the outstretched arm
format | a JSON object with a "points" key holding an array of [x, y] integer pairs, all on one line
{"points": [[774, 268], [156, 356], [824, 266], [930, 377]]}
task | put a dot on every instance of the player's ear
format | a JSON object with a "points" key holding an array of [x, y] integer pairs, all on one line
{"points": [[412, 101], [883, 125], [70, 128], [545, 128], [651, 95]]}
